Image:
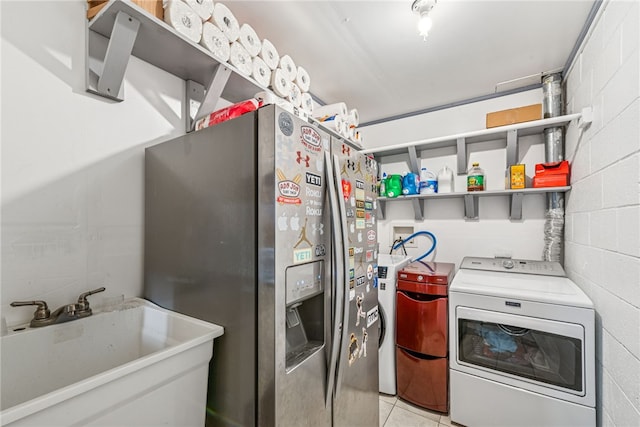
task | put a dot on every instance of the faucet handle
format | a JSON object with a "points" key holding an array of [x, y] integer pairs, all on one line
{"points": [[83, 303], [42, 311]]}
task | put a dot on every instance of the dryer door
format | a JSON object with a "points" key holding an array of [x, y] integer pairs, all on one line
{"points": [[536, 354]]}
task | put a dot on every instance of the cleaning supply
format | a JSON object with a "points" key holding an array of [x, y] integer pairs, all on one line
{"points": [[383, 185], [445, 180], [394, 185], [428, 182], [410, 184], [475, 178]]}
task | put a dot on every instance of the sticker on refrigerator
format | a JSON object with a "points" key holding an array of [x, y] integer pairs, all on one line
{"points": [[369, 271], [302, 237], [371, 235], [360, 313], [302, 159], [360, 191], [363, 347], [311, 139], [360, 281], [354, 348], [369, 255], [346, 189], [372, 316], [285, 123], [302, 255], [289, 189]]}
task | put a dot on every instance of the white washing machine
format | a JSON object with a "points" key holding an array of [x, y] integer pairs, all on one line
{"points": [[522, 343], [388, 266]]}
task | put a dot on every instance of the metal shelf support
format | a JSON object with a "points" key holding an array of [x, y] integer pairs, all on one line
{"points": [[516, 206], [512, 147], [470, 206], [417, 209], [200, 100], [105, 77], [462, 155]]}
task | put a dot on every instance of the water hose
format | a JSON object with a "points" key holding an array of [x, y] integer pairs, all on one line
{"points": [[418, 233]]}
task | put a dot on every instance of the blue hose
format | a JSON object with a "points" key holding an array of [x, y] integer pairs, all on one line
{"points": [[417, 233]]}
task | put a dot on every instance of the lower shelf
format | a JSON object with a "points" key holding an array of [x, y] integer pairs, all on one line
{"points": [[470, 200]]}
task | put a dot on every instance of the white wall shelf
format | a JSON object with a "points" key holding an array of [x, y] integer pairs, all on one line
{"points": [[470, 200], [122, 29], [510, 132]]}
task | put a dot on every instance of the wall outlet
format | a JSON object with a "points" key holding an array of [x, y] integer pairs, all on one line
{"points": [[402, 232]]}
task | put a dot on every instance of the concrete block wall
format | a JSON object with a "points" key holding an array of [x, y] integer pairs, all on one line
{"points": [[603, 207]]}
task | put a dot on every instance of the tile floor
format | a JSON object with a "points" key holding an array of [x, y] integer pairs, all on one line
{"points": [[395, 412]]}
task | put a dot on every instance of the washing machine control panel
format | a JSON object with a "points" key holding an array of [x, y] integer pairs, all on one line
{"points": [[508, 265]]}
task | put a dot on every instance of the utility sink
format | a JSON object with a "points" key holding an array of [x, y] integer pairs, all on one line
{"points": [[135, 364]]}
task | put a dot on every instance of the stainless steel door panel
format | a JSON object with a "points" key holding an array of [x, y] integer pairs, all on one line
{"points": [[200, 256], [357, 403], [293, 227]]}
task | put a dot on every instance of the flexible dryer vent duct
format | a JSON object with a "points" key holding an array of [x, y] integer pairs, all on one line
{"points": [[553, 152]]}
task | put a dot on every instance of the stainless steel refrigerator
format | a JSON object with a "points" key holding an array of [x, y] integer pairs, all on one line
{"points": [[265, 225]]}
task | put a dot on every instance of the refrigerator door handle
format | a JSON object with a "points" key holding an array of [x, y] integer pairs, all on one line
{"points": [[336, 232], [339, 278], [344, 340]]}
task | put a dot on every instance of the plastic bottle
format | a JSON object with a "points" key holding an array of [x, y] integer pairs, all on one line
{"points": [[475, 178], [383, 185], [445, 180], [428, 182], [394, 185], [409, 184]]}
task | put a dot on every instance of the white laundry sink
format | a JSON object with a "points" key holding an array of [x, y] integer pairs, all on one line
{"points": [[137, 364]]}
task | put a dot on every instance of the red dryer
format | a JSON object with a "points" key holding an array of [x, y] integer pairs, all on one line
{"points": [[421, 334]]}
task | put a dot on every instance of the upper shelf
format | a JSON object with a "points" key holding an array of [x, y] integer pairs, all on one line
{"points": [[523, 129], [159, 44]]}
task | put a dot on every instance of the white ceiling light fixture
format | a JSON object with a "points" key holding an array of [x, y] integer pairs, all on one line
{"points": [[423, 8]]}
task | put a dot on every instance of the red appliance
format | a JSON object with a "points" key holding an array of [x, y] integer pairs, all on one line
{"points": [[421, 334]]}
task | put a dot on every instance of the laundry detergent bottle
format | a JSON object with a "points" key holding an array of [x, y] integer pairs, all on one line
{"points": [[394, 185], [410, 184]]}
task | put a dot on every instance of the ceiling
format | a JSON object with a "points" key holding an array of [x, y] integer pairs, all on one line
{"points": [[369, 55]]}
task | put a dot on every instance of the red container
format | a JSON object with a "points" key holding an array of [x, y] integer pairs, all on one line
{"points": [[422, 335]]}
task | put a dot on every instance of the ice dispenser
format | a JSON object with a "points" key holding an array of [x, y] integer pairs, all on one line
{"points": [[305, 311]]}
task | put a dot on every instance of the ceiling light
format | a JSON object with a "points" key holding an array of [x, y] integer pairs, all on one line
{"points": [[423, 8]]}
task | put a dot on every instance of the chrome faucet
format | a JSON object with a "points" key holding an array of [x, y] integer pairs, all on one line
{"points": [[43, 316]]}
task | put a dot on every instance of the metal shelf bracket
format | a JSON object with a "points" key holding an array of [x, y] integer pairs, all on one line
{"points": [[470, 206], [516, 206], [512, 147], [200, 100], [105, 71], [417, 209], [381, 208], [462, 155]]}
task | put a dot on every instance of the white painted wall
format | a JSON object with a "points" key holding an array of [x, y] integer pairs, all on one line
{"points": [[494, 233], [72, 163], [603, 207]]}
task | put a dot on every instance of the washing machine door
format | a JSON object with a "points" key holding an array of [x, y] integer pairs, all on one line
{"points": [[382, 331], [535, 354]]}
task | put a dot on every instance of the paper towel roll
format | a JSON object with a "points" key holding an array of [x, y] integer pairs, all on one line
{"points": [[215, 41], [307, 103], [269, 54], [336, 124], [261, 72], [295, 95], [240, 58], [330, 110], [353, 117], [302, 79], [250, 40], [225, 20], [204, 8], [279, 83], [288, 68], [183, 19]]}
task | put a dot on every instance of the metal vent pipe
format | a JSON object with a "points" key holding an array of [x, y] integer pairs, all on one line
{"points": [[553, 152]]}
